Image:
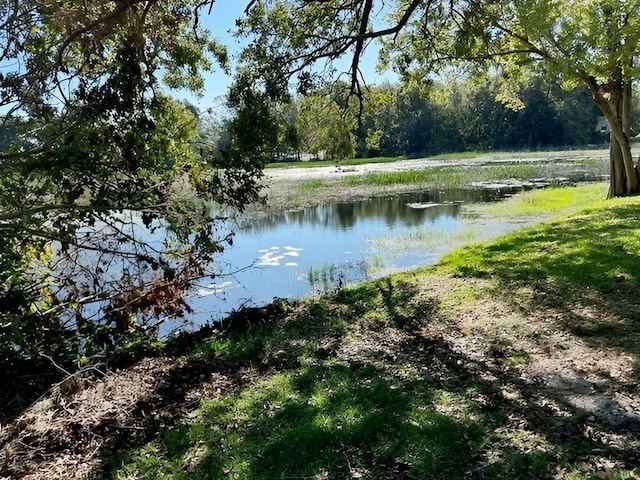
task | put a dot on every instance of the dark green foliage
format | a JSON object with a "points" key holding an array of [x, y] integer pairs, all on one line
{"points": [[96, 162], [472, 119], [254, 128]]}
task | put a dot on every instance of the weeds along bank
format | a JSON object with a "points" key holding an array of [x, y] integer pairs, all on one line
{"points": [[516, 358]]}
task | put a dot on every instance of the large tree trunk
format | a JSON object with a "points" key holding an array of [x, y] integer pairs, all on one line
{"points": [[624, 166], [617, 110], [617, 184]]}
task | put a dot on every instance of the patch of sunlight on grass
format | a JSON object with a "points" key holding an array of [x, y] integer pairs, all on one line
{"points": [[547, 201], [463, 295], [596, 247], [454, 404], [301, 422], [612, 472]]}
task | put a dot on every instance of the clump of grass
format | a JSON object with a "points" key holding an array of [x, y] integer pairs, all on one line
{"points": [[425, 239], [310, 185], [328, 278], [437, 175]]}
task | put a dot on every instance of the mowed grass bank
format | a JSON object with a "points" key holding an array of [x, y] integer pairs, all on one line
{"points": [[458, 371]]}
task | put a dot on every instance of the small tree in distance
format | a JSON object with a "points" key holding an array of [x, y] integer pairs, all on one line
{"points": [[325, 129]]}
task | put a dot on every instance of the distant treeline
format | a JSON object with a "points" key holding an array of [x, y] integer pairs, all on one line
{"points": [[465, 117], [393, 121]]}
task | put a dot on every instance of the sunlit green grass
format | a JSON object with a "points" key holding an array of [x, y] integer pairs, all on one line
{"points": [[595, 248], [548, 201]]}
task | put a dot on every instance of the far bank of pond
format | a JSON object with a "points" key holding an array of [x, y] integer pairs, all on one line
{"points": [[297, 186]]}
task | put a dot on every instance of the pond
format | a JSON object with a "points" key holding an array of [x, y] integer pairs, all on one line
{"points": [[317, 249]]}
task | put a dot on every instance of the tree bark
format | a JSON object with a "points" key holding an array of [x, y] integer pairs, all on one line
{"points": [[617, 111], [617, 186]]}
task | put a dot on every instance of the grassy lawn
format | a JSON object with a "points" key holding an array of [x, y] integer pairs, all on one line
{"points": [[450, 372]]}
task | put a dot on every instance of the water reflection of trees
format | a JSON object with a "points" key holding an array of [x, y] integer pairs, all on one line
{"points": [[393, 211]]}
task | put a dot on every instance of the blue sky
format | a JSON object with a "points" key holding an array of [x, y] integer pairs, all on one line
{"points": [[221, 22]]}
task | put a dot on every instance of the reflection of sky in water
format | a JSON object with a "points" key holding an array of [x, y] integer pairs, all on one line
{"points": [[291, 254], [277, 256], [284, 249]]}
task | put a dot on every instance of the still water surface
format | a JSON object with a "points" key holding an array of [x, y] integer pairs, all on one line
{"points": [[293, 254]]}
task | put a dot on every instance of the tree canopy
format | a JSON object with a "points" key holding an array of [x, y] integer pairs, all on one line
{"points": [[96, 158], [593, 43]]}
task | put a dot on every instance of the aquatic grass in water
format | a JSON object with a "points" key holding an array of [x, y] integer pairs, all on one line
{"points": [[435, 175], [524, 208], [458, 176], [328, 278], [427, 239]]}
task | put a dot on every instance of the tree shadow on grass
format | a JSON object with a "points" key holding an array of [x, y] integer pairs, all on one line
{"points": [[348, 420], [585, 271], [354, 420], [410, 405], [428, 411], [340, 421]]}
